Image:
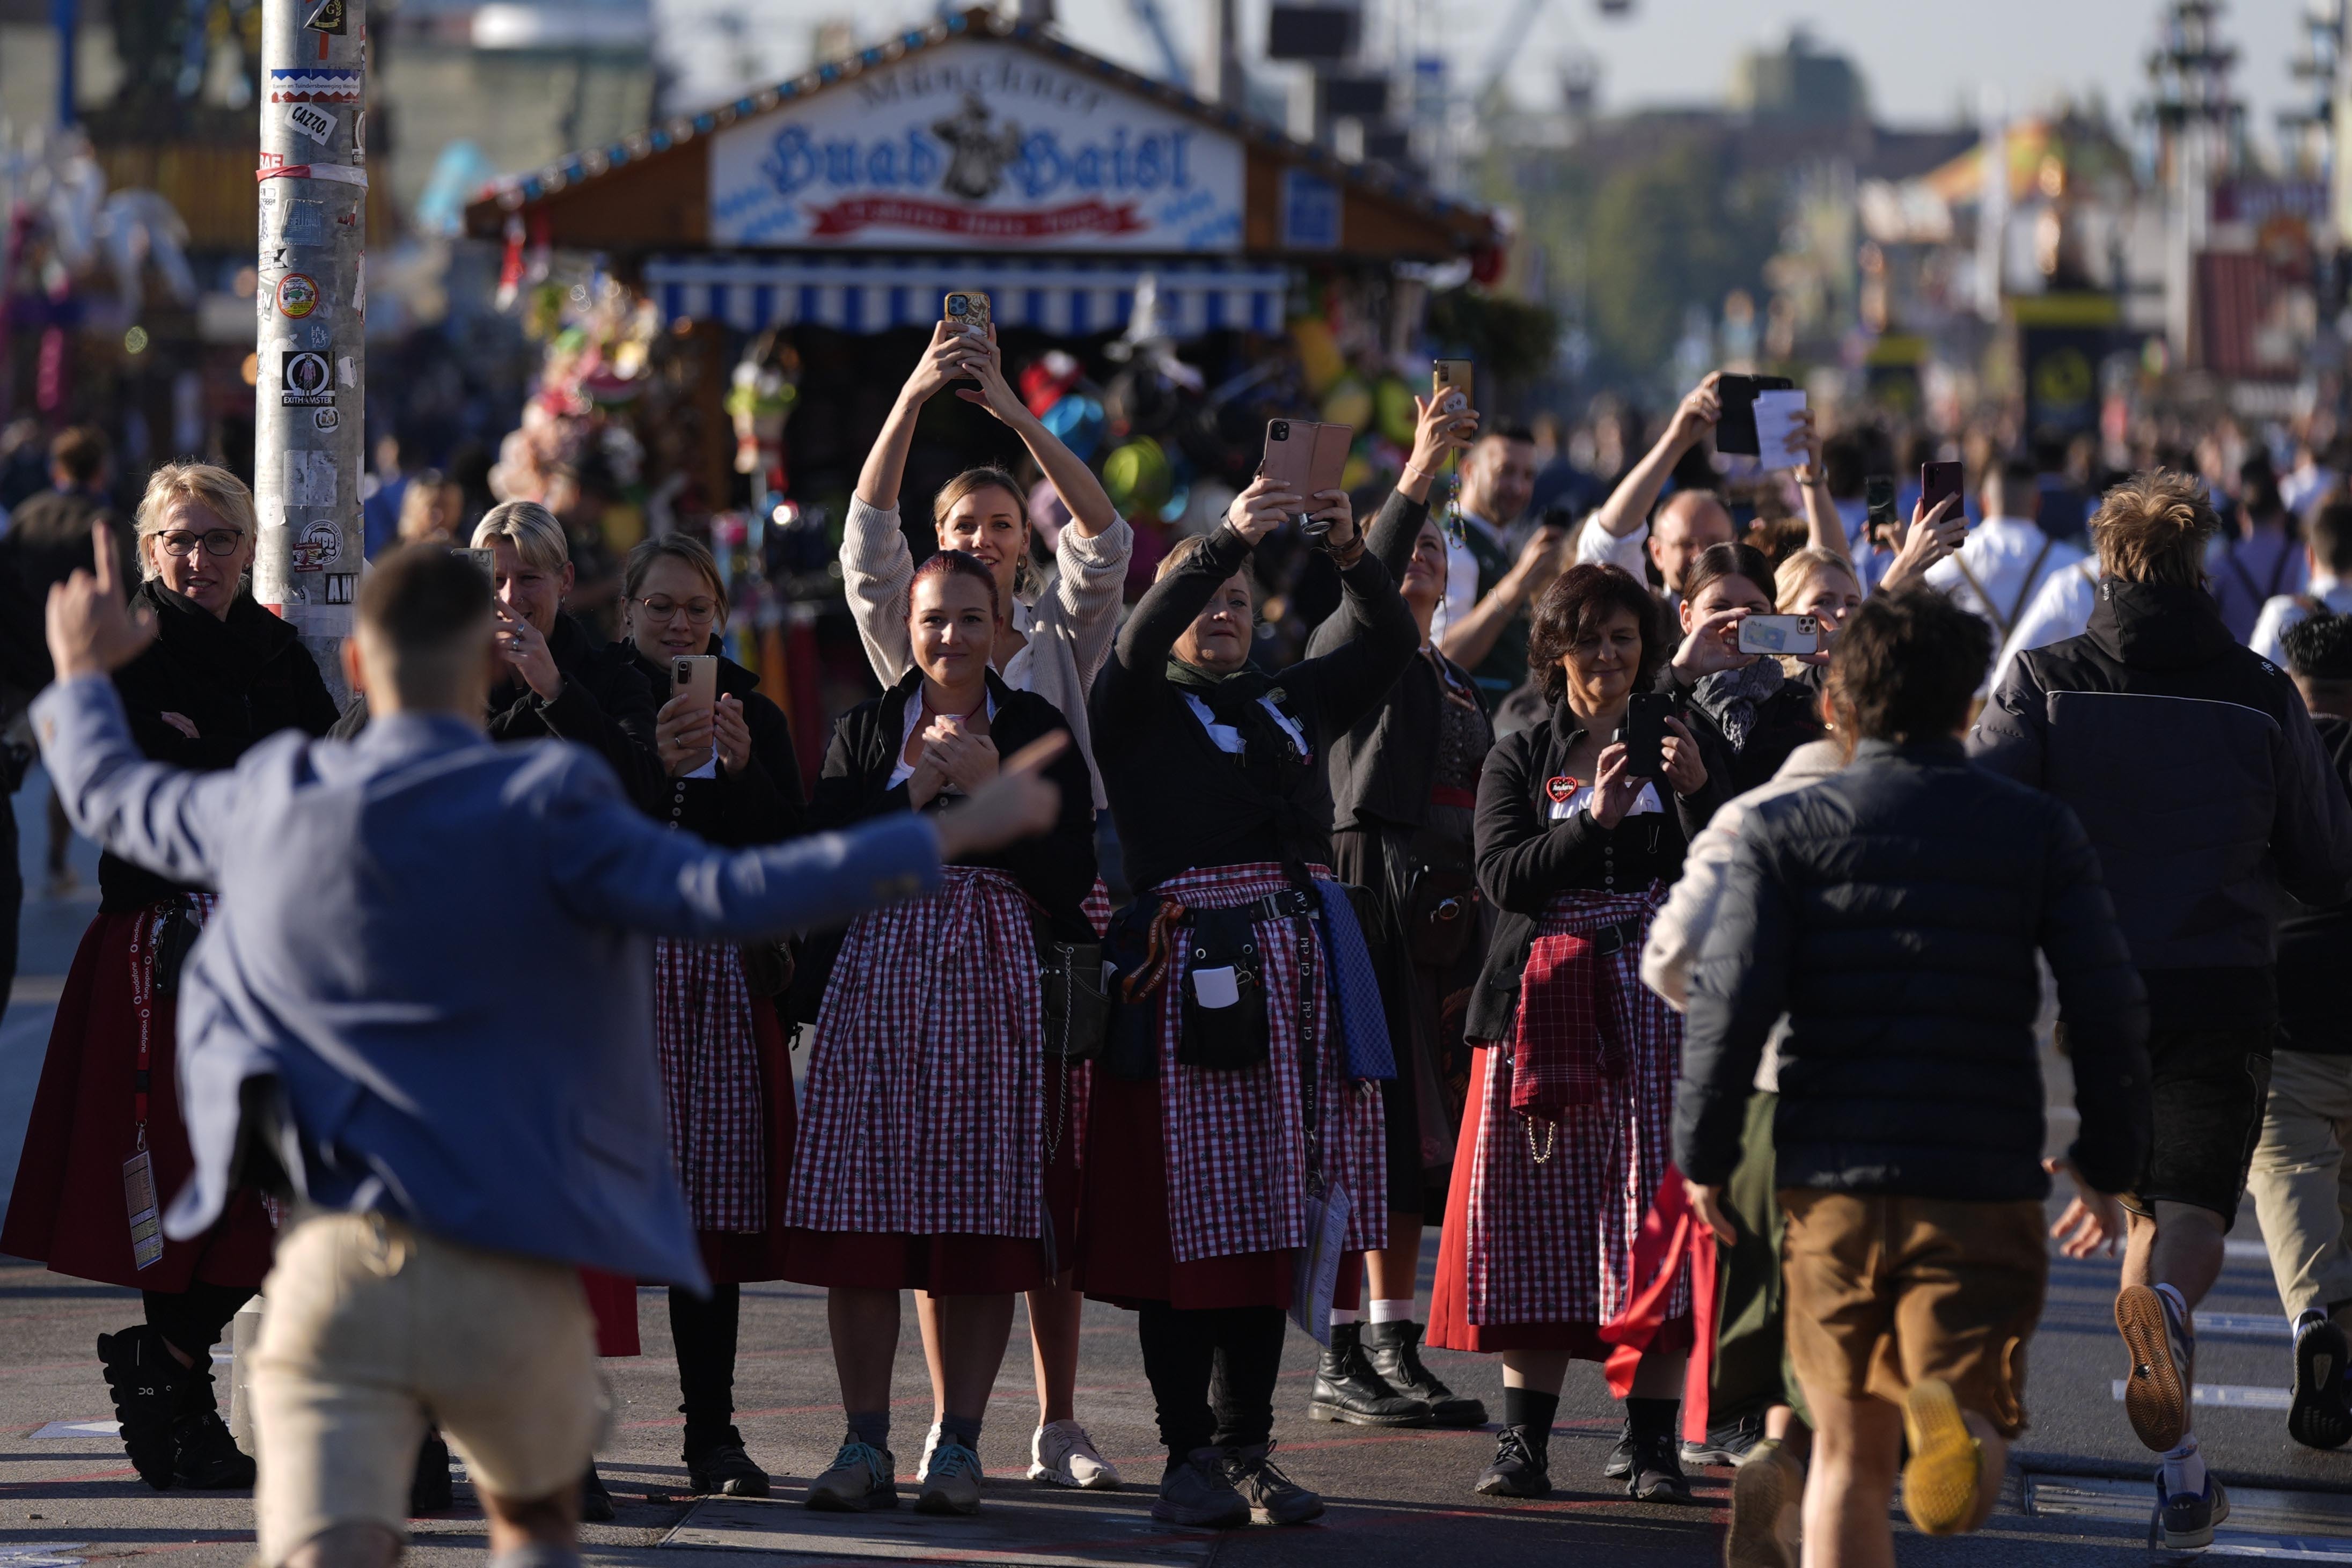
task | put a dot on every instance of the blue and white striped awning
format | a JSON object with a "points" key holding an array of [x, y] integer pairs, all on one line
{"points": [[874, 293]]}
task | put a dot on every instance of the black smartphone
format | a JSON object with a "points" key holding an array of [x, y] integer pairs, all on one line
{"points": [[1884, 526], [1645, 733], [1938, 481], [1735, 426]]}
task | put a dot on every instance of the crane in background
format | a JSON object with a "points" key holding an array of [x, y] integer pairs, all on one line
{"points": [[1513, 38]]}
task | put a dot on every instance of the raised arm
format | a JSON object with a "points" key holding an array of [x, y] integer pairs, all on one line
{"points": [[1089, 504], [1544, 556], [1350, 680], [1397, 525], [1825, 529], [1628, 506]]}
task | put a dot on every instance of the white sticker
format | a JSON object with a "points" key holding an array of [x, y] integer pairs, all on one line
{"points": [[359, 290], [1216, 987], [326, 419], [309, 479], [359, 133], [312, 120], [343, 369]]}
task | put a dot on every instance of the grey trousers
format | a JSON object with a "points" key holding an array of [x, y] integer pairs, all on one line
{"points": [[2300, 1182]]}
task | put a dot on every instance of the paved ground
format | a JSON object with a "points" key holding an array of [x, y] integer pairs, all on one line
{"points": [[1396, 1498]]}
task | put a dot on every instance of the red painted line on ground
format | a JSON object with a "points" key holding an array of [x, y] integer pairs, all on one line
{"points": [[16, 1487]]}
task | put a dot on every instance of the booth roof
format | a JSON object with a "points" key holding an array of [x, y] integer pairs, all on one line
{"points": [[1471, 227]]}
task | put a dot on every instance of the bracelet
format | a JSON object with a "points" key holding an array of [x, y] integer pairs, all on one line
{"points": [[1343, 559], [1412, 473]]}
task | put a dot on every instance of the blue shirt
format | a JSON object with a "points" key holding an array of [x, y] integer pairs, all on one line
{"points": [[438, 948]]}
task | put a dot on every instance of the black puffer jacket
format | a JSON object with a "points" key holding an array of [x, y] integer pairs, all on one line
{"points": [[2195, 769], [1892, 910]]}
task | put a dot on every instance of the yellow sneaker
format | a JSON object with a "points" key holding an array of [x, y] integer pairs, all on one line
{"points": [[1939, 1480]]}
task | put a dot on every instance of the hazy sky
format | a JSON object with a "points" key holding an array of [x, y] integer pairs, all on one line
{"points": [[1920, 60]]}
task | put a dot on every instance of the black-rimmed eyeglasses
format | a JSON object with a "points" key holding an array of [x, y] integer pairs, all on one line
{"points": [[180, 543]]}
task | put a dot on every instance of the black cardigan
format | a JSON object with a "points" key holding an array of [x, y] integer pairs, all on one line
{"points": [[238, 680], [762, 804], [1785, 721], [1382, 766], [1526, 860], [1179, 801], [1056, 868]]}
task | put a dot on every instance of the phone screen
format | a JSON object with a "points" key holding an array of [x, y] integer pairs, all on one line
{"points": [[1735, 427]]}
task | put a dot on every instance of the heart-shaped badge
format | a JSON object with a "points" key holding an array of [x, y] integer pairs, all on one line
{"points": [[1561, 788]]}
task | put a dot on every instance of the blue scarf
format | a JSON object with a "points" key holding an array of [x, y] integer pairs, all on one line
{"points": [[1355, 987]]}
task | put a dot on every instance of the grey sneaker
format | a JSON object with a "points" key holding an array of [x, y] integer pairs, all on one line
{"points": [[863, 1478], [1273, 1497], [1062, 1455], [952, 1483], [1198, 1492]]}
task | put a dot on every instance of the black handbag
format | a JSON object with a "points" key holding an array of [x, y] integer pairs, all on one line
{"points": [[1236, 1035], [1441, 905], [1070, 983]]}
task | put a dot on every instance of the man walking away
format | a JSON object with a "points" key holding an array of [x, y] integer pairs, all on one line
{"points": [[2006, 558], [2194, 768], [2328, 560], [454, 1144], [2298, 1171], [1892, 911]]}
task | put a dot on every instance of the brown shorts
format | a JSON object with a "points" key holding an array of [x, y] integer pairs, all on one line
{"points": [[1884, 1292]]}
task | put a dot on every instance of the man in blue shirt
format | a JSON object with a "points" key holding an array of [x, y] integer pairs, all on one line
{"points": [[456, 1135]]}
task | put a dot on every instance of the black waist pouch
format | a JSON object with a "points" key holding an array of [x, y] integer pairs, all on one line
{"points": [[1223, 1025], [1076, 1003]]}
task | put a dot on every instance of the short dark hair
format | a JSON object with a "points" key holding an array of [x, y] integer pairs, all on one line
{"points": [[1733, 560], [431, 607], [80, 451], [1508, 430], [2330, 535], [1904, 667], [1576, 601], [2319, 648]]}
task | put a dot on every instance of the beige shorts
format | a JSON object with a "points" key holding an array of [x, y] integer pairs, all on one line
{"points": [[373, 1330]]}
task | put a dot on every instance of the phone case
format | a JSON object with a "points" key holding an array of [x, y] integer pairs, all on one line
{"points": [[1289, 457], [1329, 463], [1938, 481], [1449, 382], [695, 675], [1781, 635], [975, 311]]}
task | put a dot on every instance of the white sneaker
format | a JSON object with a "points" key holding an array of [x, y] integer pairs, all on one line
{"points": [[930, 1447], [1062, 1455]]}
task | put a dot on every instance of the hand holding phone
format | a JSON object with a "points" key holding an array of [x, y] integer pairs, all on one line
{"points": [[1883, 524], [1644, 734], [1789, 635], [685, 731], [1937, 483]]}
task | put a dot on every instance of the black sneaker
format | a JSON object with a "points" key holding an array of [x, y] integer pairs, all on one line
{"points": [[2184, 1520], [719, 1468], [1522, 1467], [143, 1377], [1393, 1349], [1729, 1444], [1621, 1457], [1347, 1389], [1273, 1497], [429, 1491], [595, 1502], [204, 1454], [1198, 1492], [1657, 1473], [2319, 1417]]}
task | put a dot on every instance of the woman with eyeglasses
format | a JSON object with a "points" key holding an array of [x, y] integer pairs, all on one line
{"points": [[106, 1148], [1055, 636], [726, 1066]]}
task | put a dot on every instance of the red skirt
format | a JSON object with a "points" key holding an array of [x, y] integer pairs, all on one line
{"points": [[67, 1207], [1127, 1256], [956, 1263]]}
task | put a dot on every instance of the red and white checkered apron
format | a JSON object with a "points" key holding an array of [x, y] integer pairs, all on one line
{"points": [[1552, 1241], [922, 1109], [710, 1083], [1236, 1143]]}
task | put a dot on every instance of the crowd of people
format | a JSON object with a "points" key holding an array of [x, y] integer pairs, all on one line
{"points": [[1530, 901]]}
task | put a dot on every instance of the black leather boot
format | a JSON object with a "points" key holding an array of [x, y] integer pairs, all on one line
{"points": [[1522, 1466], [1394, 1351], [429, 1490], [204, 1454], [1347, 1389], [143, 1378]]}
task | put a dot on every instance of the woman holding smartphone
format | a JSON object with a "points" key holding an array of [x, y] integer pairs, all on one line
{"points": [[1213, 1121], [1745, 710], [937, 1145], [1055, 633], [1565, 1138], [727, 1078]]}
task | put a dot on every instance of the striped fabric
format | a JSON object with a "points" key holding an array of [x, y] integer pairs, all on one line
{"points": [[710, 1062]]}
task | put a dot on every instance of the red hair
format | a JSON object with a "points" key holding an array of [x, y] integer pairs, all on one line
{"points": [[957, 564]]}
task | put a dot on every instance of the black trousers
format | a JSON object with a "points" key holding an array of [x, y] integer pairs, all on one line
{"points": [[704, 1333], [195, 1319], [12, 892], [1213, 1372]]}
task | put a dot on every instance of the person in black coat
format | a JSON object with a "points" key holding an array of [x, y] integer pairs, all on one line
{"points": [[1893, 912], [1746, 711], [222, 675], [936, 1150], [1404, 783], [731, 778]]}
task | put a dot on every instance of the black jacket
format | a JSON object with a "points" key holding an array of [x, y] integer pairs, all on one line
{"points": [[1892, 910], [1381, 768], [1785, 721], [237, 681], [1526, 860], [1179, 801], [2202, 785], [2314, 943], [762, 804], [48, 539], [1056, 868]]}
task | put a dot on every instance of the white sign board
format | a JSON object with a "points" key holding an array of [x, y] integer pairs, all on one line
{"points": [[976, 146]]}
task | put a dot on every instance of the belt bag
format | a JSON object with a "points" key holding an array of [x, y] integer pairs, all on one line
{"points": [[1440, 903], [1077, 1008], [1223, 1023]]}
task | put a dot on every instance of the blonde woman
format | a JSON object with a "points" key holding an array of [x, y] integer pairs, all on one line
{"points": [[222, 675], [430, 506], [1055, 636], [1821, 584]]}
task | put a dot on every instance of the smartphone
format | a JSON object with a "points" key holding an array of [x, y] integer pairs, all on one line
{"points": [[1735, 427], [1882, 525], [1938, 481], [1645, 733], [486, 561], [969, 308], [1780, 634], [1449, 384], [694, 676], [1306, 455]]}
